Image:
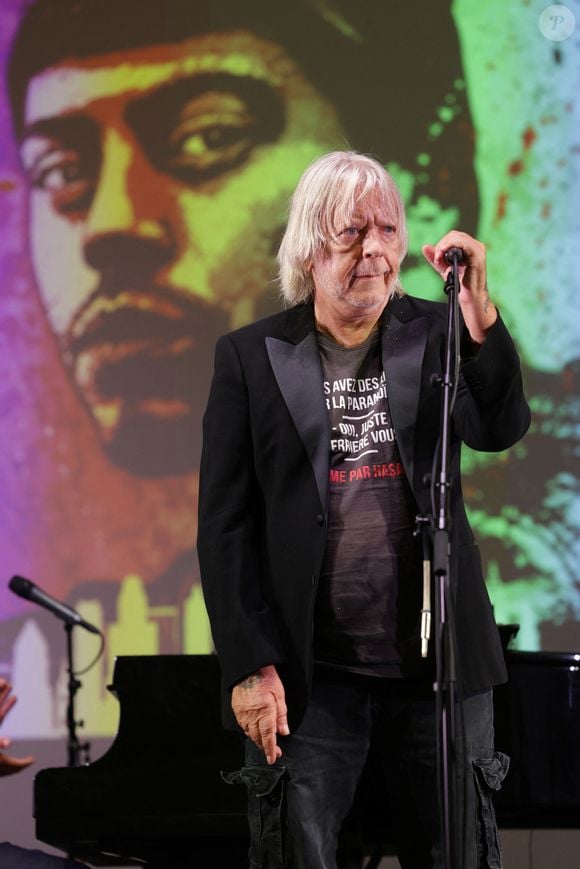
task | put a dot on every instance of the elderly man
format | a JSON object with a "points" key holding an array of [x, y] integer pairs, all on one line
{"points": [[319, 438]]}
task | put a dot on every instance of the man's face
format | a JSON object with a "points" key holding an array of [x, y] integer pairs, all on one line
{"points": [[160, 178], [355, 274]]}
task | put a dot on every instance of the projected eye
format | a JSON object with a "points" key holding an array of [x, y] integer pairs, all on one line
{"points": [[63, 175], [216, 131]]}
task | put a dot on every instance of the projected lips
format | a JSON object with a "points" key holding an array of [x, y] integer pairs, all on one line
{"points": [[141, 363]]}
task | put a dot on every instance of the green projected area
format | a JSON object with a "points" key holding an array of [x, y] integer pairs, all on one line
{"points": [[524, 107]]}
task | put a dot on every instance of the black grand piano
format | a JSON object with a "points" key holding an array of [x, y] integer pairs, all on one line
{"points": [[156, 798]]}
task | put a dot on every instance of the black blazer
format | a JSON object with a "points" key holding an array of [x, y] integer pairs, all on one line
{"points": [[264, 482]]}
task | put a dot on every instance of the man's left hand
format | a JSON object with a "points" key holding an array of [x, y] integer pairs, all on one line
{"points": [[478, 311]]}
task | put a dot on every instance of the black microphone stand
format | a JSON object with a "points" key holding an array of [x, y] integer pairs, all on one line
{"points": [[446, 677], [77, 752]]}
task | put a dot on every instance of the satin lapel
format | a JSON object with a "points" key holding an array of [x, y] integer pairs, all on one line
{"points": [[299, 375], [403, 348]]}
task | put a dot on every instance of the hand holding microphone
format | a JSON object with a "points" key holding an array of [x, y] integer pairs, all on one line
{"points": [[479, 314]]}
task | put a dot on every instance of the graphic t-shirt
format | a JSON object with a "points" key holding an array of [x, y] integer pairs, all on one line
{"points": [[368, 603]]}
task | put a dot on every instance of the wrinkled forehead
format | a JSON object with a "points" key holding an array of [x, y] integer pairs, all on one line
{"points": [[75, 83]]}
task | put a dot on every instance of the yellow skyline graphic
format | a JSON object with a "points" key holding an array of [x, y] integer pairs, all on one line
{"points": [[139, 629]]}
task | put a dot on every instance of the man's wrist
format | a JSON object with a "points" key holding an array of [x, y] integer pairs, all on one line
{"points": [[250, 681], [479, 319]]}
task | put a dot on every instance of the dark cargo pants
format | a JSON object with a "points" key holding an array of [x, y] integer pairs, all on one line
{"points": [[296, 807]]}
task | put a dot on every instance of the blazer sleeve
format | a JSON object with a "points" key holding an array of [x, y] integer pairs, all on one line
{"points": [[491, 411], [230, 523]]}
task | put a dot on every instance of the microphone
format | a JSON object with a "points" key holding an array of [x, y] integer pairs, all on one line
{"points": [[454, 254], [29, 591]]}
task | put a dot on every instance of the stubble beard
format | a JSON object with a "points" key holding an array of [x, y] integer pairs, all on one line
{"points": [[371, 300]]}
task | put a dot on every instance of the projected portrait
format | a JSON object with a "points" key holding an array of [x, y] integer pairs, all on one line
{"points": [[157, 146], [160, 167]]}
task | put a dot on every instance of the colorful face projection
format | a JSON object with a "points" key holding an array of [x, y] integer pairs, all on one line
{"points": [[148, 152]]}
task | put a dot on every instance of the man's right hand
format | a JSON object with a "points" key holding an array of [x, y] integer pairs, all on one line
{"points": [[259, 705]]}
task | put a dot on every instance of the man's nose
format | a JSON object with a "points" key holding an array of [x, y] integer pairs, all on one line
{"points": [[127, 227], [373, 243]]}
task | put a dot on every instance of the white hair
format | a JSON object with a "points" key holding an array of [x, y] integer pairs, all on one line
{"points": [[325, 199]]}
